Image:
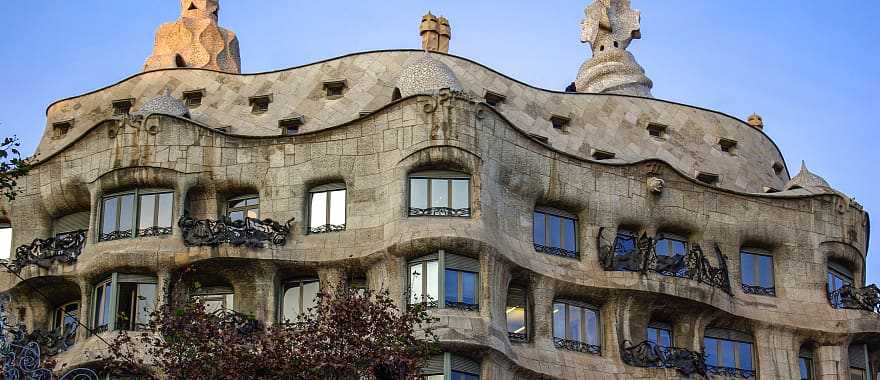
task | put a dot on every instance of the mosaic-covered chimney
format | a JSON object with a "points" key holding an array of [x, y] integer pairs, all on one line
{"points": [[195, 40], [436, 33]]}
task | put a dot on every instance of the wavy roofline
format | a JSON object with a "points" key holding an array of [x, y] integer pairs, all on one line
{"points": [[720, 113]]}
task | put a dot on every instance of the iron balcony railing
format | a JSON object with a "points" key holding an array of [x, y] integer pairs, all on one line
{"points": [[850, 297], [253, 233], [63, 248], [652, 355]]}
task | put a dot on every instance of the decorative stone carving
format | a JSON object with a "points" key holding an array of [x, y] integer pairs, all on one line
{"points": [[609, 27], [164, 104], [195, 40], [655, 185], [426, 75], [436, 33], [756, 121]]}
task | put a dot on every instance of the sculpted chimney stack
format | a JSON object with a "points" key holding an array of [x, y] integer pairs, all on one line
{"points": [[436, 33]]}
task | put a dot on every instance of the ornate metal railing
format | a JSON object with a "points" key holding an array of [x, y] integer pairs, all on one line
{"points": [[731, 372], [116, 235], [578, 346], [154, 231], [440, 211], [249, 232], [243, 324], [759, 290], [326, 228], [556, 251], [850, 297], [651, 355], [64, 248], [643, 258], [518, 337], [462, 306]]}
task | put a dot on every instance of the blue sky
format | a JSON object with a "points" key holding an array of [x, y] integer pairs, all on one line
{"points": [[809, 68]]}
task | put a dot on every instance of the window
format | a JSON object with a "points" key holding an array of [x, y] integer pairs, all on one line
{"points": [[124, 301], [359, 284], [458, 287], [516, 311], [708, 178], [576, 327], [449, 366], [193, 99], [727, 145], [600, 155], [260, 104], [729, 352], [660, 334], [859, 362], [657, 130], [243, 208], [334, 89], [624, 243], [756, 270], [439, 193], [778, 167], [5, 241], [805, 364], [297, 298], [64, 319], [122, 107], [670, 245], [839, 276], [61, 128], [494, 99], [216, 299], [70, 223], [327, 208], [560, 122], [149, 210], [555, 232], [290, 127]]}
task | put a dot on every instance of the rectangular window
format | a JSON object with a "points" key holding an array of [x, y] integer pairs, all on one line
{"points": [[576, 327], [327, 210], [243, 208], [5, 241], [756, 271], [65, 319], [424, 282], [101, 316], [838, 277], [517, 325], [668, 245], [298, 298], [124, 302], [725, 353], [660, 335], [217, 301], [460, 287], [555, 233], [442, 195], [806, 368], [152, 213]]}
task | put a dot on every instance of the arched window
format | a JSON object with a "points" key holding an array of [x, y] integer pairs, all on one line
{"points": [[5, 240], [756, 272], [729, 353], [448, 366], [439, 193], [576, 327], [179, 61], [243, 208], [142, 212], [216, 299], [396, 94], [458, 287], [555, 232], [123, 302], [839, 276], [298, 297], [327, 208], [517, 314], [805, 363]]}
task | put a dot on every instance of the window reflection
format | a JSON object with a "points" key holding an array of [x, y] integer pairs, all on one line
{"points": [[327, 208], [552, 231], [299, 296], [576, 323], [5, 241], [242, 208], [516, 313], [151, 211], [438, 193]]}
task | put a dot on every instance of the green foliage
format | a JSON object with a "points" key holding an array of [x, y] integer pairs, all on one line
{"points": [[12, 166]]}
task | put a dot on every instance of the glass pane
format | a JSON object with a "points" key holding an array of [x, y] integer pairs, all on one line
{"points": [[238, 204], [451, 286], [651, 334], [125, 303], [253, 201], [290, 304], [418, 193], [747, 268], [665, 337], [432, 274], [555, 231], [624, 244], [574, 323], [662, 247], [559, 320], [728, 352], [70, 315], [745, 355], [147, 214], [538, 228], [415, 282], [804, 365], [516, 319], [592, 325], [310, 295], [126, 213], [460, 196], [765, 269], [337, 207], [108, 216], [711, 346], [166, 208], [678, 248], [318, 214], [236, 216], [56, 321], [439, 193], [145, 305], [469, 288], [5, 243], [253, 213], [569, 238]]}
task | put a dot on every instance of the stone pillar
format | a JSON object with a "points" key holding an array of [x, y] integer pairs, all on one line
{"points": [[776, 353], [94, 216], [163, 287], [85, 308], [543, 290], [331, 278], [831, 363], [495, 280], [265, 292]]}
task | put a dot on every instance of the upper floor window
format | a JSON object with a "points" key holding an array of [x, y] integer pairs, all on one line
{"points": [[243, 208], [216, 299], [729, 353], [64, 319], [449, 366], [67, 224], [756, 270], [839, 276], [193, 99], [516, 311], [298, 297], [670, 245], [123, 301], [122, 106], [576, 327], [458, 287], [5, 241], [660, 334], [149, 210], [859, 362], [439, 193], [327, 208], [555, 232], [805, 364]]}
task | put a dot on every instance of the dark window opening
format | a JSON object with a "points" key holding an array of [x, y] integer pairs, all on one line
{"points": [[657, 130], [179, 61], [61, 128], [334, 89], [364, 113], [559, 122], [727, 145], [708, 178], [193, 99], [599, 154], [769, 190], [616, 44], [778, 167], [290, 126], [192, 7], [260, 104], [493, 98], [396, 94], [543, 139], [122, 107]]}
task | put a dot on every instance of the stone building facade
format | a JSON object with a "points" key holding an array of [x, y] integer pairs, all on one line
{"points": [[564, 235]]}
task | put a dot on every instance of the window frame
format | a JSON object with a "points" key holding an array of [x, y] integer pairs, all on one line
{"points": [[737, 357], [515, 336], [807, 359], [58, 315], [136, 232], [300, 284], [659, 327], [8, 226], [429, 176], [547, 247], [327, 189], [671, 237], [113, 303], [757, 288], [244, 209], [441, 303], [222, 293], [581, 344]]}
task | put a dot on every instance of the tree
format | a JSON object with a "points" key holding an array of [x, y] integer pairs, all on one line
{"points": [[12, 166], [347, 335]]}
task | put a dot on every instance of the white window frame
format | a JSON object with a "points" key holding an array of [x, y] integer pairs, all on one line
{"points": [[136, 211]]}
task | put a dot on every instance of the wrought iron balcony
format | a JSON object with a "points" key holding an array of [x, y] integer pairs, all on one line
{"points": [[651, 355], [440, 211], [850, 297], [462, 306], [326, 228], [577, 346], [252, 233], [518, 337], [643, 258], [759, 290], [154, 231], [116, 235], [556, 251], [63, 248], [730, 372]]}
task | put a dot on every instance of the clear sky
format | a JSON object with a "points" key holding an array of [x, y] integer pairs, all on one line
{"points": [[810, 68]]}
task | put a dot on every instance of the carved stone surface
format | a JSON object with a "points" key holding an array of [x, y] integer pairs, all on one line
{"points": [[196, 40], [436, 33], [251, 233], [64, 248], [850, 297], [805, 179], [609, 27], [426, 75], [655, 185], [651, 355], [164, 104]]}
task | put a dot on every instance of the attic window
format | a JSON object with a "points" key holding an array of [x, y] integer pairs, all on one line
{"points": [[559, 122], [61, 128], [334, 89], [727, 145], [708, 178], [494, 98], [657, 130], [291, 125], [778, 167], [364, 113], [260, 104], [540, 138], [192, 7], [122, 106], [769, 190], [193, 99], [601, 154], [222, 129]]}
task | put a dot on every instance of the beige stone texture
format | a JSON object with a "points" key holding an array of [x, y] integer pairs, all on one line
{"points": [[195, 40]]}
